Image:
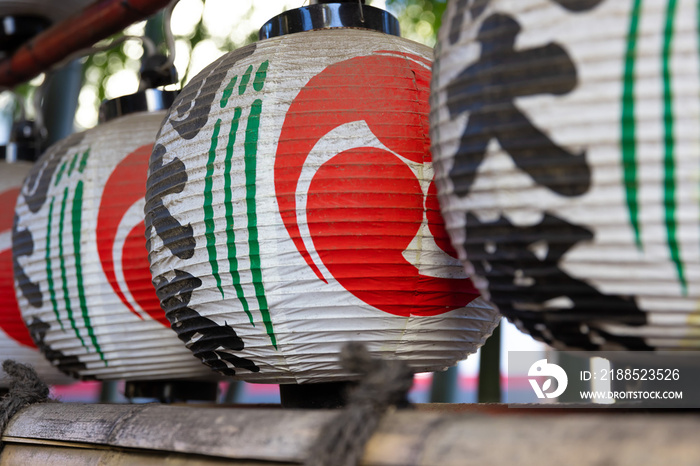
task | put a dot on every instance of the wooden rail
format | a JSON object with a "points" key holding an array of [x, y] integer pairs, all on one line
{"points": [[58, 433]]}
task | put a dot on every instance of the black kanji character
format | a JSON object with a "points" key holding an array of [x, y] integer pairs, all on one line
{"points": [[69, 365], [23, 245], [522, 266], [166, 179], [34, 191], [38, 182], [190, 111], [210, 342], [578, 5], [487, 91], [475, 9], [213, 344]]}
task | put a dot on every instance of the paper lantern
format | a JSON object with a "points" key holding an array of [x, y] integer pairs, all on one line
{"points": [[566, 143], [15, 341], [290, 209], [82, 276]]}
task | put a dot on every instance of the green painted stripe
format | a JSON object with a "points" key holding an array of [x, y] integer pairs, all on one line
{"points": [[251, 149], [77, 223], [227, 92], [60, 173], [209, 210], [83, 161], [670, 202], [260, 76], [49, 270], [72, 164], [64, 278], [628, 124], [244, 80], [228, 201]]}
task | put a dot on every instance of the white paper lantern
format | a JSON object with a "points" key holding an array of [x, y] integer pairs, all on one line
{"points": [[15, 341], [566, 147], [83, 282], [291, 209]]}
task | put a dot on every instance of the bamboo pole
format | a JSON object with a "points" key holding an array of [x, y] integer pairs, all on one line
{"points": [[406, 437]]}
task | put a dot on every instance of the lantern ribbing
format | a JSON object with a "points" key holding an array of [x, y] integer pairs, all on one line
{"points": [[291, 209], [567, 160]]}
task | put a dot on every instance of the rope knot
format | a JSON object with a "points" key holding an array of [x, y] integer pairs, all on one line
{"points": [[384, 383], [25, 388]]}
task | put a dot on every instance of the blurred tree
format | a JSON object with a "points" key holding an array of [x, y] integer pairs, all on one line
{"points": [[201, 36], [419, 19]]}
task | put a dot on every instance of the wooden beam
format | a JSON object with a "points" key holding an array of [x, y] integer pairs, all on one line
{"points": [[51, 455], [96, 22], [408, 437]]}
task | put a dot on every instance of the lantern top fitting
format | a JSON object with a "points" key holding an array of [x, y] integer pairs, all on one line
{"points": [[148, 100], [25, 143], [338, 14]]}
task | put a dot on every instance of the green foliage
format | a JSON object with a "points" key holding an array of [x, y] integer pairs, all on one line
{"points": [[200, 33], [24, 91], [98, 67], [420, 19]]}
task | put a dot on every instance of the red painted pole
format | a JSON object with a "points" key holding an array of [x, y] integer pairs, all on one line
{"points": [[96, 22]]}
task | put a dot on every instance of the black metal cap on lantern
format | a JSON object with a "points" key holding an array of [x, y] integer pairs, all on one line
{"points": [[290, 211], [330, 15], [148, 100], [25, 142], [320, 15]]}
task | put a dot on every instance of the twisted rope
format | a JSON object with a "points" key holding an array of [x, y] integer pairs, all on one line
{"points": [[384, 383], [26, 388]]}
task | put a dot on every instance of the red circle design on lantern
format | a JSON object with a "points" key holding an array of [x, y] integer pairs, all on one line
{"points": [[10, 318], [365, 205], [125, 187]]}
